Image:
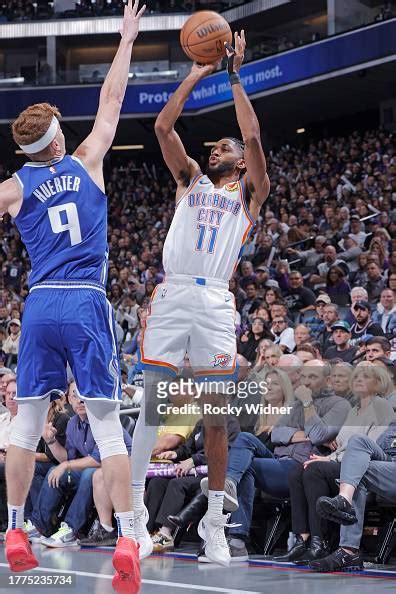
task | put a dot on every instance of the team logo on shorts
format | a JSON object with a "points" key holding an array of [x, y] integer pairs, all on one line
{"points": [[221, 360], [232, 187]]}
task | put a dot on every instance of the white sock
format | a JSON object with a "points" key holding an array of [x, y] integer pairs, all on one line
{"points": [[125, 524], [215, 503], [107, 527], [16, 516], [138, 496]]}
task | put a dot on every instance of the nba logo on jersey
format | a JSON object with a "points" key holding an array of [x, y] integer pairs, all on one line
{"points": [[232, 187], [221, 360]]}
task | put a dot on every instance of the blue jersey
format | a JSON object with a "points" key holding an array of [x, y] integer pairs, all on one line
{"points": [[63, 221]]}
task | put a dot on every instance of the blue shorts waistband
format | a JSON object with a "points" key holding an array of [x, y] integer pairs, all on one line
{"points": [[69, 284]]}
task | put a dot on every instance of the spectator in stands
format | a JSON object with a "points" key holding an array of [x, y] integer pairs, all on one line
{"points": [[367, 465], [301, 335], [385, 314], [351, 252], [279, 308], [337, 286], [330, 316], [318, 476], [356, 230], [342, 348], [318, 279], [299, 299], [272, 355], [263, 345], [11, 344], [375, 282], [272, 294], [363, 324], [251, 460], [376, 347], [316, 323], [248, 343], [263, 280], [247, 274], [292, 365], [6, 421], [282, 334], [306, 352], [251, 302], [78, 461], [167, 496], [340, 381], [238, 292], [392, 283], [358, 277], [315, 419]]}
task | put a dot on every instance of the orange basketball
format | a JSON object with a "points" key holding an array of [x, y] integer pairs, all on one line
{"points": [[203, 35]]}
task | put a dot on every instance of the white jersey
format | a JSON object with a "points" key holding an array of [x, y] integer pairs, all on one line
{"points": [[208, 231]]}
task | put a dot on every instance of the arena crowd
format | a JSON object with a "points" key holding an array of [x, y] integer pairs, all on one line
{"points": [[315, 320]]}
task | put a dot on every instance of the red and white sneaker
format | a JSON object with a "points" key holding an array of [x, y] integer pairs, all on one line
{"points": [[18, 551], [126, 563]]}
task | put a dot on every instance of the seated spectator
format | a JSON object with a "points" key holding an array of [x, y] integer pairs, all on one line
{"points": [[167, 496], [298, 298], [357, 294], [51, 445], [375, 282], [316, 323], [272, 294], [292, 365], [282, 334], [251, 302], [377, 346], [351, 252], [367, 465], [363, 322], [11, 344], [315, 419], [248, 343], [312, 257], [385, 313], [78, 461], [318, 279], [342, 348], [337, 286], [279, 308], [251, 459], [6, 421], [272, 355], [301, 335], [340, 381], [306, 352], [358, 277], [330, 316], [318, 475], [247, 275], [238, 292]]}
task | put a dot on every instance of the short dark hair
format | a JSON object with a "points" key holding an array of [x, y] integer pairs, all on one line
{"points": [[239, 143], [381, 340]]}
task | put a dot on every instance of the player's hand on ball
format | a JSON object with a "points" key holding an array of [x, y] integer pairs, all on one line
{"points": [[238, 50], [130, 25], [204, 69]]}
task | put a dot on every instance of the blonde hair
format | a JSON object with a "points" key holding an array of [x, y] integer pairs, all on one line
{"points": [[384, 382], [288, 396], [33, 123]]}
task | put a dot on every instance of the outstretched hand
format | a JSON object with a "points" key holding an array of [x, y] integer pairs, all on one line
{"points": [[130, 25], [236, 53]]}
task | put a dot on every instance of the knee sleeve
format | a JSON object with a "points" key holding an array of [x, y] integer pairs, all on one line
{"points": [[29, 423], [106, 427]]}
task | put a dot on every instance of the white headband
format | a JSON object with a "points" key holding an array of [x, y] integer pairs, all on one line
{"points": [[44, 141]]}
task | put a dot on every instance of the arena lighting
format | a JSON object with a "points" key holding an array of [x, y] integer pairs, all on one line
{"points": [[300, 130], [127, 147], [153, 74], [7, 81], [210, 143]]}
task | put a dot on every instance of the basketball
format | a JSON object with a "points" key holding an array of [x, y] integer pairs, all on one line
{"points": [[203, 35]]}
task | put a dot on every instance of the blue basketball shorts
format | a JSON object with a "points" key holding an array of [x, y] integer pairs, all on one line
{"points": [[68, 322]]}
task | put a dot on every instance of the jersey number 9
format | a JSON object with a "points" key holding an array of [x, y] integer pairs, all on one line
{"points": [[68, 222]]}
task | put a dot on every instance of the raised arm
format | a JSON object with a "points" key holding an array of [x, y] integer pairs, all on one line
{"points": [[93, 149], [10, 197], [256, 177], [182, 167]]}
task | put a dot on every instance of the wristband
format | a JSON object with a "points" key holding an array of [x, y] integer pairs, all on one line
{"points": [[51, 442], [234, 79]]}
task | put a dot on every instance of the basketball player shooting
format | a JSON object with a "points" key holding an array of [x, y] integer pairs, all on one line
{"points": [[60, 209], [193, 309]]}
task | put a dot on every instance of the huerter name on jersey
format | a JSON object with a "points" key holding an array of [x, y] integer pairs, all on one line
{"points": [[56, 185]]}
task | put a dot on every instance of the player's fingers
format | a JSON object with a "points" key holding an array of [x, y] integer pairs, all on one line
{"points": [[243, 37], [141, 12]]}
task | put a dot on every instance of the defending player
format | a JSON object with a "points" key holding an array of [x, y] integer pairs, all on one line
{"points": [[60, 209], [193, 310]]}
